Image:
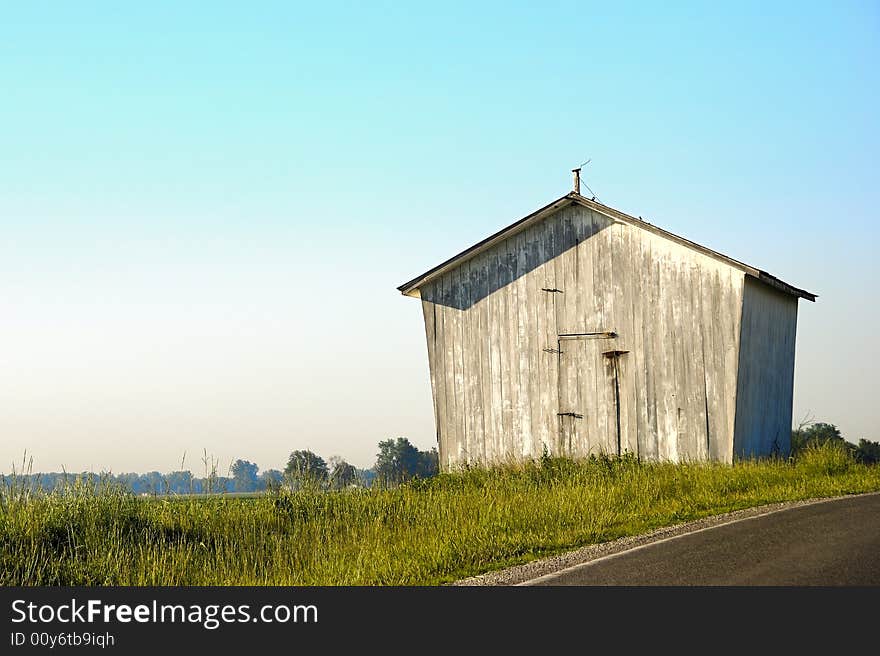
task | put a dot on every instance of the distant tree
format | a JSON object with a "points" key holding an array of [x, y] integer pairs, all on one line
{"points": [[214, 485], [271, 479], [820, 433], [366, 476], [152, 483], [244, 475], [180, 482], [815, 433], [429, 463], [868, 452], [306, 467], [49, 481], [398, 460], [342, 474]]}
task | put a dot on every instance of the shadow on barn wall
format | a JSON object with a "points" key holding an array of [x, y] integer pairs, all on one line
{"points": [[487, 272]]}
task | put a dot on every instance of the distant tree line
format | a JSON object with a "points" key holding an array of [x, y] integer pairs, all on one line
{"points": [[819, 433], [150, 483], [397, 461]]}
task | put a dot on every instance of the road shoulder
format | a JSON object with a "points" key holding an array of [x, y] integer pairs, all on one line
{"points": [[531, 572]]}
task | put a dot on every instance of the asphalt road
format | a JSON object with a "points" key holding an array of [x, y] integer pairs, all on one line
{"points": [[829, 543]]}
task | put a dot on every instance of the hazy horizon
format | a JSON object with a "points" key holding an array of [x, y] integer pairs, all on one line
{"points": [[206, 215]]}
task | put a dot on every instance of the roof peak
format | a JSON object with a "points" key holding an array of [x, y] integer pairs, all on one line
{"points": [[411, 287]]}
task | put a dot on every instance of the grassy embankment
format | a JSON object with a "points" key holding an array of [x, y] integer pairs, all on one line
{"points": [[426, 532]]}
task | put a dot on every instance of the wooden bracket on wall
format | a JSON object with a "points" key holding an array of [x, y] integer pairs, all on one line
{"points": [[603, 334]]}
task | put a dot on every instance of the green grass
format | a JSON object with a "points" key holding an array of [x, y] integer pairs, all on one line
{"points": [[426, 532]]}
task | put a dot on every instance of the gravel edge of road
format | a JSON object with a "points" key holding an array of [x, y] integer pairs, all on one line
{"points": [[543, 566]]}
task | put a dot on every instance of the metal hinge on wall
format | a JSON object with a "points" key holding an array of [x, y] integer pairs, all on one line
{"points": [[551, 350], [552, 291], [569, 414]]}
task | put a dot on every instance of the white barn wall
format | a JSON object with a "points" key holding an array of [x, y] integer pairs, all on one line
{"points": [[492, 330], [766, 372]]}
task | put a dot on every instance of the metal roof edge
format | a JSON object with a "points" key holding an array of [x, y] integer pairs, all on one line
{"points": [[758, 274], [783, 286]]}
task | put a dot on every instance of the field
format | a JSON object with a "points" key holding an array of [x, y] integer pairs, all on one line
{"points": [[425, 532]]}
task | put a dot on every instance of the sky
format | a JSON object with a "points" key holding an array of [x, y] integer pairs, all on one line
{"points": [[205, 208]]}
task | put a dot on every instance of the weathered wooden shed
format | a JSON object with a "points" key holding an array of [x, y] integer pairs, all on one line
{"points": [[580, 329]]}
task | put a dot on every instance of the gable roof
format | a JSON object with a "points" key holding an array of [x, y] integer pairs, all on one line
{"points": [[411, 288]]}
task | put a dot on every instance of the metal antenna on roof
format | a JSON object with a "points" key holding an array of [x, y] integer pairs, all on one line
{"points": [[577, 177], [577, 180]]}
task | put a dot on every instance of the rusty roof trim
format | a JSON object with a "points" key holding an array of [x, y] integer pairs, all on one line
{"points": [[411, 288], [783, 286]]}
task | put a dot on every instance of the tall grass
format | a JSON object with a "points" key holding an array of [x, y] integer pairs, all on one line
{"points": [[425, 532]]}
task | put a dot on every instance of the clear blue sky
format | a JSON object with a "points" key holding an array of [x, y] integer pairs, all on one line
{"points": [[206, 207]]}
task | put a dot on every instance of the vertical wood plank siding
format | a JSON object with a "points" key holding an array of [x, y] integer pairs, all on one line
{"points": [[766, 372], [493, 334]]}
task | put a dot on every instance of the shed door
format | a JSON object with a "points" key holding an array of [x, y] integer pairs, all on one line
{"points": [[588, 395]]}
